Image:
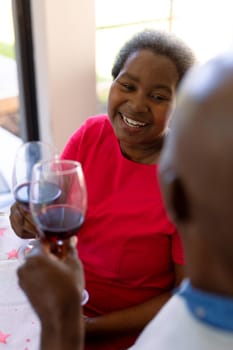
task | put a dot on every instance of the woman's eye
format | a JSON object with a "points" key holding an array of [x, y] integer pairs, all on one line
{"points": [[126, 86], [159, 98]]}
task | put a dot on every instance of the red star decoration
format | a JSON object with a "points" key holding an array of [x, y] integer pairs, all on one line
{"points": [[13, 254], [3, 338], [2, 231]]}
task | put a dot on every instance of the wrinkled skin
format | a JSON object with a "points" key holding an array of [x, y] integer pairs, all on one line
{"points": [[54, 287]]}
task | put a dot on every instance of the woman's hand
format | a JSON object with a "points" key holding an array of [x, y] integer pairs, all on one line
{"points": [[22, 222]]}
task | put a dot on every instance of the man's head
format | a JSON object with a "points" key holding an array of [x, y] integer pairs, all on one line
{"points": [[196, 167]]}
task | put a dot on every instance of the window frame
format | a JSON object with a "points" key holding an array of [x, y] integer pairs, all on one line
{"points": [[22, 19]]}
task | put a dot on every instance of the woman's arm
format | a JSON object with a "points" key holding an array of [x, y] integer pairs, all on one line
{"points": [[131, 320]]}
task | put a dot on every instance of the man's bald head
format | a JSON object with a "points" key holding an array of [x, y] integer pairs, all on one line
{"points": [[196, 168]]}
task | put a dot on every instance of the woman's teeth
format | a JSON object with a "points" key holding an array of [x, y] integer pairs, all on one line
{"points": [[132, 123]]}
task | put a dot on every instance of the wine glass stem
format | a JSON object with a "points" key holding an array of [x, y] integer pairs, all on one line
{"points": [[59, 248]]}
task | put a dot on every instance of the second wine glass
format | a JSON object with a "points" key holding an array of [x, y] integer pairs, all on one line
{"points": [[27, 156]]}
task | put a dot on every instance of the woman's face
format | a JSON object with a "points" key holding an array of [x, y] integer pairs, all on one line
{"points": [[140, 98]]}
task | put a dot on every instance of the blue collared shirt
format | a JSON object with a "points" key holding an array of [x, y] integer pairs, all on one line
{"points": [[209, 308]]}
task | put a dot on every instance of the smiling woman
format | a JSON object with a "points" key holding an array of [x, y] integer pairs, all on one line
{"points": [[139, 104], [146, 73], [130, 250]]}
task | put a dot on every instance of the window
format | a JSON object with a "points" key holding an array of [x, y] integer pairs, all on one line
{"points": [[18, 107], [9, 102]]}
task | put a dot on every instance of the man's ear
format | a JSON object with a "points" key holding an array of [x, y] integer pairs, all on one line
{"points": [[179, 203], [175, 195]]}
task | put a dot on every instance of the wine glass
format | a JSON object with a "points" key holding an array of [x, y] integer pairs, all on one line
{"points": [[27, 156], [58, 202]]}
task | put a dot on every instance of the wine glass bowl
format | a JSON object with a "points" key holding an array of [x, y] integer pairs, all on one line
{"points": [[58, 201], [27, 156]]}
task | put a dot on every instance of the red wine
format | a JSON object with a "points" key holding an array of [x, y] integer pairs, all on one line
{"points": [[58, 222], [47, 194]]}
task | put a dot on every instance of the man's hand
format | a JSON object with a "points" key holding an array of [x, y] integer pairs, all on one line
{"points": [[54, 288], [51, 284]]}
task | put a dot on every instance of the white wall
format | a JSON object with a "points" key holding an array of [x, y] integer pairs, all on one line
{"points": [[64, 37]]}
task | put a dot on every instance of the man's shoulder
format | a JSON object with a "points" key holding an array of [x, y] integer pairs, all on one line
{"points": [[174, 327]]}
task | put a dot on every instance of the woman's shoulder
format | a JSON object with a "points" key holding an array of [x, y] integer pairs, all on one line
{"points": [[88, 136], [93, 125], [93, 128], [97, 121]]}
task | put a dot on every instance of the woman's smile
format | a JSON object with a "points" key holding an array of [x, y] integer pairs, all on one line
{"points": [[132, 123]]}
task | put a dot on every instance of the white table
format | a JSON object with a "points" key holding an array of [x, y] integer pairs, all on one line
{"points": [[19, 325]]}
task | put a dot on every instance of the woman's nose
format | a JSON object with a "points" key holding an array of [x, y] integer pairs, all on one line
{"points": [[138, 103]]}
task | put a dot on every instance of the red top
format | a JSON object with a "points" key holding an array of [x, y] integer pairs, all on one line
{"points": [[127, 243]]}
